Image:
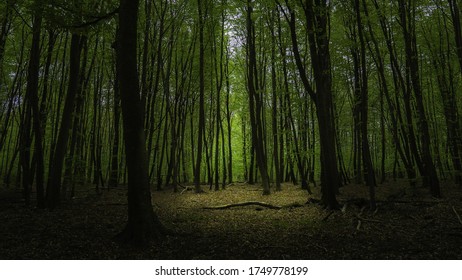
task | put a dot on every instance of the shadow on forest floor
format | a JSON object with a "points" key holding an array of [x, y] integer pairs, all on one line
{"points": [[406, 227]]}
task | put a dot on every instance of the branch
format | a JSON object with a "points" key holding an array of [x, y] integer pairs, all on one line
{"points": [[22, 18], [457, 214], [327, 216], [367, 220], [247, 203], [95, 20]]}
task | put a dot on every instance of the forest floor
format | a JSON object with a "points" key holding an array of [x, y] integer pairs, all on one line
{"points": [[406, 225]]}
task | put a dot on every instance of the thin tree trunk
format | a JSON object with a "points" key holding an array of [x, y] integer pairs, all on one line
{"points": [[407, 11], [114, 173], [255, 102], [274, 119], [367, 159], [55, 173], [201, 132], [228, 119]]}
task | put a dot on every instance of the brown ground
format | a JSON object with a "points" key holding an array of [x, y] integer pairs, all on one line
{"points": [[412, 227]]}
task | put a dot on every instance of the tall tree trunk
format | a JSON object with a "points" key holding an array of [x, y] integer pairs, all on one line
{"points": [[219, 85], [56, 166], [114, 173], [228, 119], [255, 102], [72, 161], [200, 134], [455, 15], [450, 105], [143, 224], [366, 152], [274, 119], [407, 17], [317, 22], [31, 109], [403, 130], [5, 25]]}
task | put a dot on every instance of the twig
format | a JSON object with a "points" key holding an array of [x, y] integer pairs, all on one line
{"points": [[412, 217], [327, 216], [457, 214], [359, 225], [367, 220], [344, 208], [185, 189], [362, 210], [320, 247]]}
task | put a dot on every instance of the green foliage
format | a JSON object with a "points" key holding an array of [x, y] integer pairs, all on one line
{"points": [[168, 66]]}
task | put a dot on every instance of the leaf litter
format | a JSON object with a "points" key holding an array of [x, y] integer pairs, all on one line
{"points": [[408, 224]]}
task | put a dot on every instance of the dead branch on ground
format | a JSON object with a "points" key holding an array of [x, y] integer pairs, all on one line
{"points": [[327, 216], [457, 214], [247, 203]]}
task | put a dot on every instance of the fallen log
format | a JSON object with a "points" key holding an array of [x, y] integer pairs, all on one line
{"points": [[246, 203]]}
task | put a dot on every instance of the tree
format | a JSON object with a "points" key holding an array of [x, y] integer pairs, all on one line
{"points": [[407, 21], [255, 101], [33, 111], [53, 191], [317, 22], [143, 224], [200, 134], [361, 99]]}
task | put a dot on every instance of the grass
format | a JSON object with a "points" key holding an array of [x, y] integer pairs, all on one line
{"points": [[415, 226]]}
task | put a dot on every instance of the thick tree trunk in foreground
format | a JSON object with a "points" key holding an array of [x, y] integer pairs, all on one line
{"points": [[143, 224]]}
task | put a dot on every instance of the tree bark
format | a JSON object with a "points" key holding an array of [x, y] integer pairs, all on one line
{"points": [[56, 166], [200, 134], [369, 172], [255, 102], [274, 109], [407, 12], [143, 224], [317, 17]]}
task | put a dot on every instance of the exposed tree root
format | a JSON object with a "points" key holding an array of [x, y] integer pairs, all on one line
{"points": [[247, 203]]}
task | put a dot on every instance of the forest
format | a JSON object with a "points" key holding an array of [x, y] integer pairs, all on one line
{"points": [[230, 129]]}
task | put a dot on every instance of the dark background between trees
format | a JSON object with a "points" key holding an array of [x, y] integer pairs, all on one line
{"points": [[204, 94]]}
